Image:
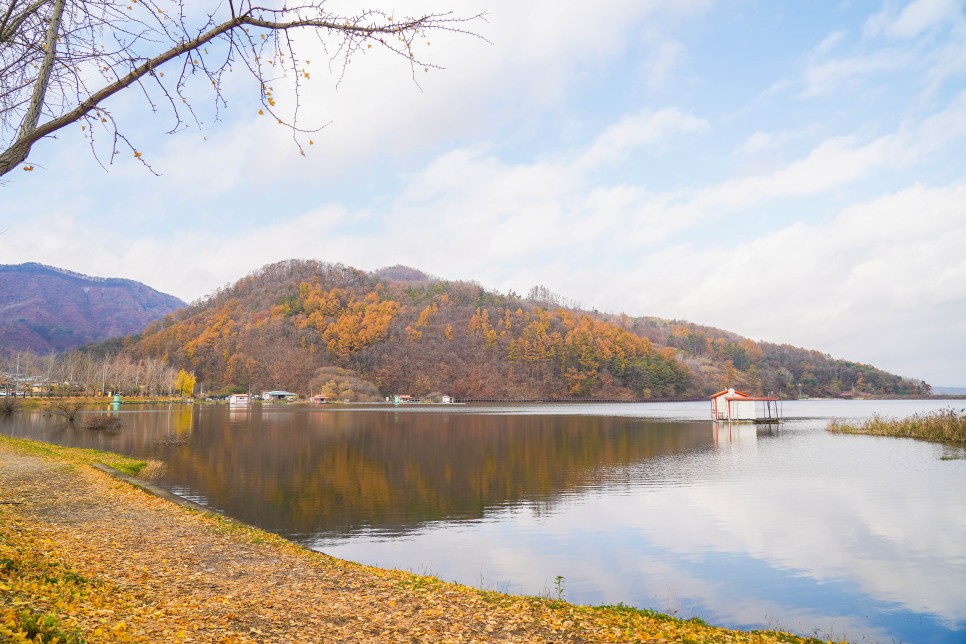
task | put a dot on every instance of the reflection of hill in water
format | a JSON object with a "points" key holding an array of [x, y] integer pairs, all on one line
{"points": [[335, 472], [307, 471]]}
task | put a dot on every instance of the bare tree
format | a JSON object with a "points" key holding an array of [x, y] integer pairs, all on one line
{"points": [[60, 60], [8, 404], [66, 408]]}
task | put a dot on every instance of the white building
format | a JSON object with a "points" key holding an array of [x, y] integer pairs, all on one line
{"points": [[731, 405], [238, 400], [279, 395]]}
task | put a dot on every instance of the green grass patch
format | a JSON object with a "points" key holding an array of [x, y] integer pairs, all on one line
{"points": [[946, 425], [415, 581], [39, 627], [75, 455], [624, 609], [641, 623]]}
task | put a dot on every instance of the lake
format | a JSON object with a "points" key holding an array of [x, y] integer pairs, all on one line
{"points": [[652, 505]]}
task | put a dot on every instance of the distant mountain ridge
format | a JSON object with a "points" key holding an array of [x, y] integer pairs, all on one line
{"points": [[45, 308], [949, 391]]}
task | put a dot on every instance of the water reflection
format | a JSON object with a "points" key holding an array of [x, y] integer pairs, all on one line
{"points": [[742, 435], [779, 526], [321, 473]]}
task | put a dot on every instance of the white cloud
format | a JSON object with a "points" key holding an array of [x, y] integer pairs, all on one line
{"points": [[915, 18], [946, 61], [824, 77], [830, 42], [380, 113], [763, 141], [833, 162], [854, 286], [668, 57], [646, 128], [895, 40]]}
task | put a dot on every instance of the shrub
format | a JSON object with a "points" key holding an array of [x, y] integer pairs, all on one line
{"points": [[9, 404], [103, 422], [945, 425]]}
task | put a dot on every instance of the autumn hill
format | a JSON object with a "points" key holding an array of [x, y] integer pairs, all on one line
{"points": [[299, 325]]}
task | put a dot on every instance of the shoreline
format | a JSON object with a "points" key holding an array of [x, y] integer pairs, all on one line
{"points": [[41, 402], [131, 566]]}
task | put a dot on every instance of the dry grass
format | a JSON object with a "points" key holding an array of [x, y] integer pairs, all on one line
{"points": [[153, 470], [103, 422], [946, 425]]}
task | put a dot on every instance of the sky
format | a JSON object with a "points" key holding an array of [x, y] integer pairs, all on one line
{"points": [[793, 172]]}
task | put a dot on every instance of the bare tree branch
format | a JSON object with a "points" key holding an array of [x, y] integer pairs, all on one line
{"points": [[21, 147], [60, 60], [12, 23]]}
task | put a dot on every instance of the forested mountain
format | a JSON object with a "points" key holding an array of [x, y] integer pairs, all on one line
{"points": [[305, 325], [44, 309]]}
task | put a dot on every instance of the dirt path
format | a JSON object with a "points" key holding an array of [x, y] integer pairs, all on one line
{"points": [[117, 564]]}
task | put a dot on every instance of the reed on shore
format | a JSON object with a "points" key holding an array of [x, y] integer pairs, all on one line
{"points": [[945, 425]]}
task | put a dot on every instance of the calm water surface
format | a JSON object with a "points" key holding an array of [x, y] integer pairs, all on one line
{"points": [[647, 504]]}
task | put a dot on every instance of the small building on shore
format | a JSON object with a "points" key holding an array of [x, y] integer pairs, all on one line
{"points": [[238, 400], [730, 405], [320, 399], [279, 395]]}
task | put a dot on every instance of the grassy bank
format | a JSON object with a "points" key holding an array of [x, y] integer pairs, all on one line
{"points": [[76, 455], [946, 425], [85, 558], [89, 402]]}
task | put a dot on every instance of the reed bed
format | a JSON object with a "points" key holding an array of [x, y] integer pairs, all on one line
{"points": [[945, 425]]}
